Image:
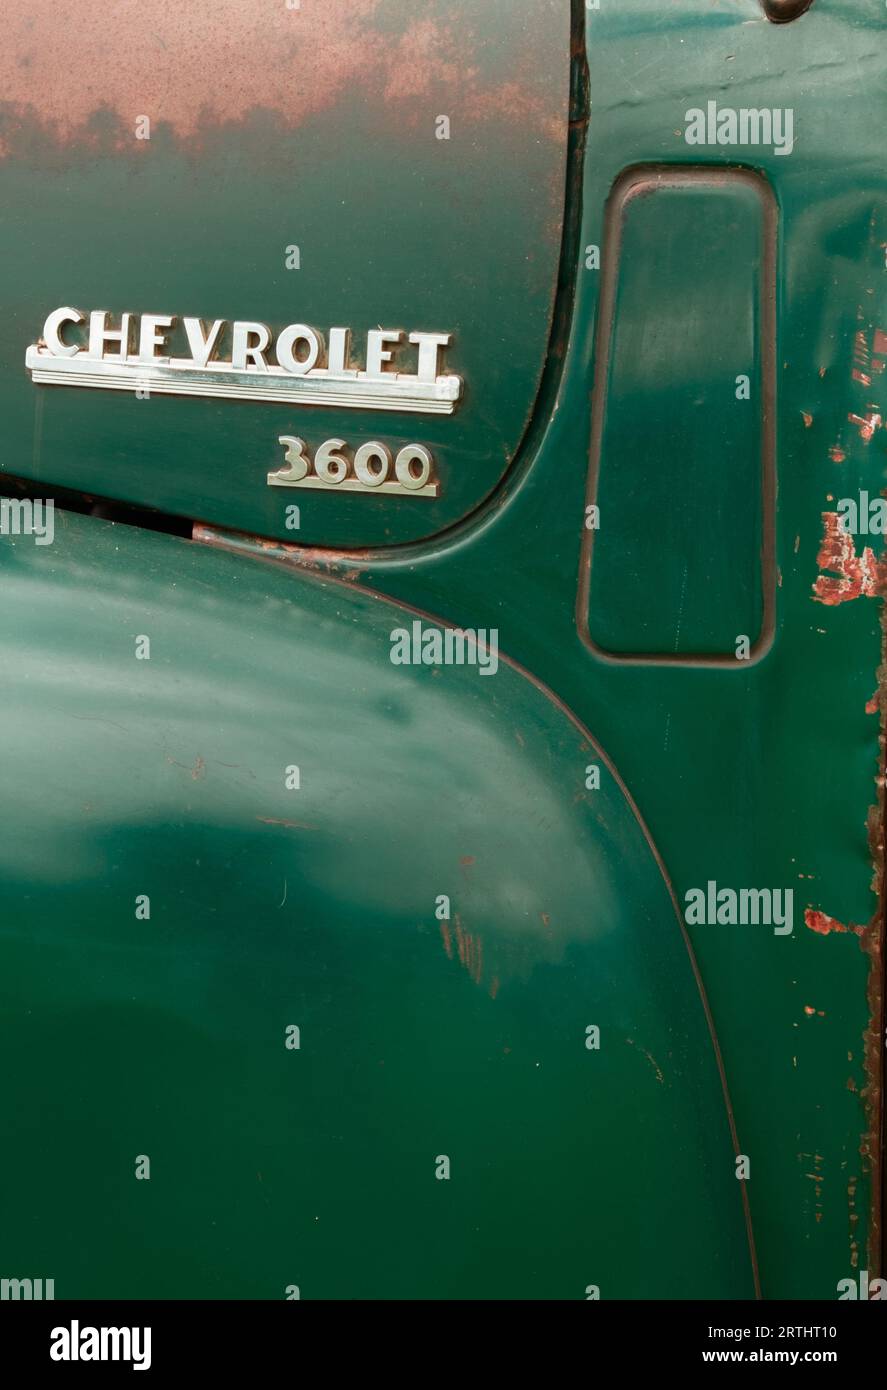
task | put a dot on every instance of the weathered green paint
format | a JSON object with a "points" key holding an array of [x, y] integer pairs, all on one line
{"points": [[395, 228], [761, 775], [316, 907]]}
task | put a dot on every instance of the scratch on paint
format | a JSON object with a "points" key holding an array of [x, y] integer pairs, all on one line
{"points": [[197, 769], [288, 824], [650, 1058]]}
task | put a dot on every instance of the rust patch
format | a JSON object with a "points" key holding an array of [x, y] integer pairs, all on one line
{"points": [[321, 559], [823, 925], [866, 424], [190, 66], [521, 105], [318, 559], [196, 67], [852, 576]]}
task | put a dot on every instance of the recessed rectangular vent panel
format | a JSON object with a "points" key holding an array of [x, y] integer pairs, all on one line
{"points": [[679, 565]]}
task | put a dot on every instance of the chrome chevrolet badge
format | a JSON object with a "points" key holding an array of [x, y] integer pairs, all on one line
{"points": [[305, 369]]}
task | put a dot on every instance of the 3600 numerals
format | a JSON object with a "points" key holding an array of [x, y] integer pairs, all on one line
{"points": [[370, 468]]}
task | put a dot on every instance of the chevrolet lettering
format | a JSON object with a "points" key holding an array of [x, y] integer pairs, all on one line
{"points": [[243, 360]]}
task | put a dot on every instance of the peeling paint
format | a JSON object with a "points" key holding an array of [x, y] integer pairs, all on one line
{"points": [[824, 925], [852, 576], [867, 424]]}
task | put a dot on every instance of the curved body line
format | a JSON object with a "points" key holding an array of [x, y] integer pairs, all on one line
{"points": [[564, 708]]}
